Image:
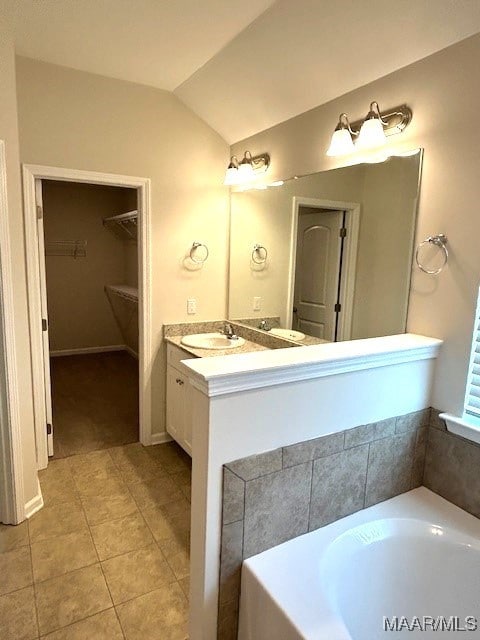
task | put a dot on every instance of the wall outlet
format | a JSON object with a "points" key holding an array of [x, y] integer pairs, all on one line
{"points": [[191, 306], [257, 303]]}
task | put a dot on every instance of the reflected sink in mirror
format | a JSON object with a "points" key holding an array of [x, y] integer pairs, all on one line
{"points": [[290, 334], [211, 341]]}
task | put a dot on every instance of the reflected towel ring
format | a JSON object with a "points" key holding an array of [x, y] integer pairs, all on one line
{"points": [[256, 254], [195, 246], [439, 240]]}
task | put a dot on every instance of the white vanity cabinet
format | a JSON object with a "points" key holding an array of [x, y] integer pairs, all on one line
{"points": [[179, 412]]}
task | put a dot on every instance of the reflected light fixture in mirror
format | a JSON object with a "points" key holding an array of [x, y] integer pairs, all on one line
{"points": [[372, 132], [341, 143], [231, 174], [247, 170]]}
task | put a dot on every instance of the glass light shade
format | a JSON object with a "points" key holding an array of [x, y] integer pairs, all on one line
{"points": [[231, 176], [245, 172], [371, 134], [341, 143]]}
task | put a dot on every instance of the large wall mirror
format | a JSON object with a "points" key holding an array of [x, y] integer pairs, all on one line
{"points": [[327, 256]]}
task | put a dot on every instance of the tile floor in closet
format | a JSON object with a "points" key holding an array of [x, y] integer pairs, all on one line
{"points": [[108, 556]]}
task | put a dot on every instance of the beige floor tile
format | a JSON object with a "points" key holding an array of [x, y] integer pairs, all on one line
{"points": [[15, 570], [174, 546], [135, 471], [57, 489], [56, 520], [155, 493], [59, 555], [163, 526], [56, 470], [171, 457], [136, 573], [159, 615], [98, 463], [71, 597], [134, 452], [18, 619], [13, 537], [176, 508], [185, 586], [97, 486], [103, 508], [179, 564], [120, 536], [101, 626]]}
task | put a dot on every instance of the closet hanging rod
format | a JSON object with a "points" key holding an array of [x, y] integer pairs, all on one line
{"points": [[122, 217], [123, 291]]}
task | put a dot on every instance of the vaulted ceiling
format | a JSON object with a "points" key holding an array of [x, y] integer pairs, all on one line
{"points": [[246, 65]]}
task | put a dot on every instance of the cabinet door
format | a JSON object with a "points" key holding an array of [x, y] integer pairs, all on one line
{"points": [[187, 418], [175, 404]]}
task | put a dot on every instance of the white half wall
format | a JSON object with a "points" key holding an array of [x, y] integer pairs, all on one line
{"points": [[236, 415]]}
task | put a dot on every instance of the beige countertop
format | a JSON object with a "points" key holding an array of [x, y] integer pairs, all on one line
{"points": [[248, 347]]}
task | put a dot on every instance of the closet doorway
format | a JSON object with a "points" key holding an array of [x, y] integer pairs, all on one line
{"points": [[87, 263]]}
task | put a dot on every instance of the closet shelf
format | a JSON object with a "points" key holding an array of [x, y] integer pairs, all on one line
{"points": [[124, 225], [123, 291]]}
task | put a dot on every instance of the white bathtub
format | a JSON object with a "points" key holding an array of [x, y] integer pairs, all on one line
{"points": [[415, 555]]}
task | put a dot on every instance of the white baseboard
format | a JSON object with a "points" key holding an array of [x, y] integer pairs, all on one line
{"points": [[35, 504], [85, 350], [160, 438]]}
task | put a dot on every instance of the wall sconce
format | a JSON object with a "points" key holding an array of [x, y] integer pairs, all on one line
{"points": [[371, 132], [246, 170]]}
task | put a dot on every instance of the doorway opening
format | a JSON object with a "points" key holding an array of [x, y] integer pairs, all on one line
{"points": [[323, 255], [90, 314], [88, 284]]}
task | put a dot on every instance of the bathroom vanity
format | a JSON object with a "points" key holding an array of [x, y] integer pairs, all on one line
{"points": [[179, 403]]}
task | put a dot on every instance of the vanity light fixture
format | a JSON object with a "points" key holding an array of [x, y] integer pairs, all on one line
{"points": [[341, 142], [371, 132], [246, 170]]}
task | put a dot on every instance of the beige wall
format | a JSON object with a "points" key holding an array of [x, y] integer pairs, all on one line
{"points": [[83, 121], [9, 133], [443, 92], [80, 314], [386, 194]]}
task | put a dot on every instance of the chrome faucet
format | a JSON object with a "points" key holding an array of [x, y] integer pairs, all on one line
{"points": [[264, 325], [229, 332]]}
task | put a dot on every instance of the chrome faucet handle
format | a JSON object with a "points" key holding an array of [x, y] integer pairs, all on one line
{"points": [[229, 332], [264, 325]]}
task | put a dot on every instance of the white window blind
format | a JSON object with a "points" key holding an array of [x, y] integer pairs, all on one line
{"points": [[472, 397]]}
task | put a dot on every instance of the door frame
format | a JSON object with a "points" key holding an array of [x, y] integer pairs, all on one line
{"points": [[12, 494], [347, 279], [38, 172]]}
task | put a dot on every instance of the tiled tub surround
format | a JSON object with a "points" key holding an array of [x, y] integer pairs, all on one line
{"points": [[275, 496], [452, 466]]}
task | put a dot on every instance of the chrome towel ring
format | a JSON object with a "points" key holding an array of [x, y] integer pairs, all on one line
{"points": [[439, 240], [201, 259], [259, 254]]}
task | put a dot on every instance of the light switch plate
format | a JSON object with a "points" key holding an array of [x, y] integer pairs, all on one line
{"points": [[191, 306], [257, 303]]}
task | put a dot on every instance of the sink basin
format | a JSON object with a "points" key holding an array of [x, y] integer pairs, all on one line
{"points": [[211, 341], [288, 333]]}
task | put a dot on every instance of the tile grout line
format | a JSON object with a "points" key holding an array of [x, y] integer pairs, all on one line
{"points": [[79, 500]]}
